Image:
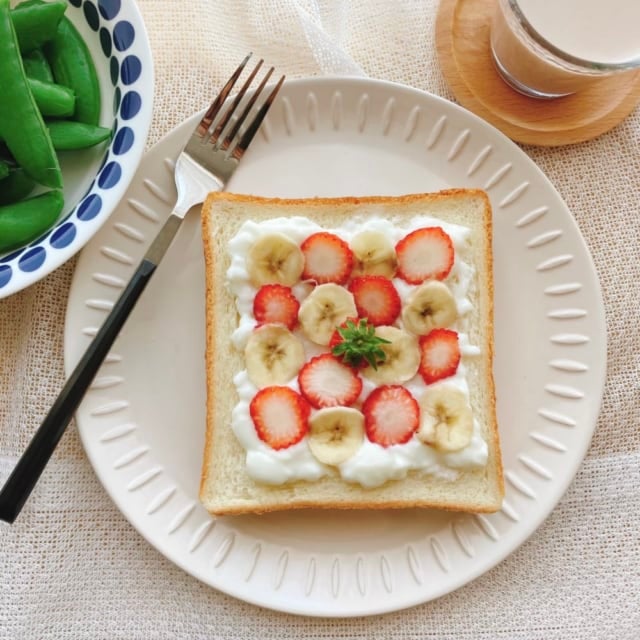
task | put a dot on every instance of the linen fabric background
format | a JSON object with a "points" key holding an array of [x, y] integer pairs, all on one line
{"points": [[72, 566]]}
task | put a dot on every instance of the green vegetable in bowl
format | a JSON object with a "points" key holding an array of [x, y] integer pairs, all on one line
{"points": [[21, 124], [22, 222], [36, 66], [67, 135], [36, 22], [46, 71], [73, 67], [52, 99], [16, 186]]}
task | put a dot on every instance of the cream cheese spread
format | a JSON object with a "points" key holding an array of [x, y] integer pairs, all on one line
{"points": [[372, 465]]}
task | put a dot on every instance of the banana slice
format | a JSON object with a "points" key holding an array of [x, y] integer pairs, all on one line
{"points": [[274, 258], [328, 306], [430, 305], [446, 421], [335, 434], [374, 255], [273, 355], [402, 357]]}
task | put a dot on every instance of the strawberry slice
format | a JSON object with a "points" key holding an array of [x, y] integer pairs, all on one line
{"points": [[326, 382], [327, 258], [440, 355], [376, 299], [391, 415], [275, 303], [425, 254], [280, 416]]}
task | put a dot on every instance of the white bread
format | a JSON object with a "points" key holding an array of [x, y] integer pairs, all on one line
{"points": [[225, 488]]}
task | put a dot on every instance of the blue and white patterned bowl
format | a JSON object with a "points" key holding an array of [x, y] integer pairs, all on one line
{"points": [[96, 179]]}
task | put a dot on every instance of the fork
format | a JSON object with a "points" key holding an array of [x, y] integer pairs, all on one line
{"points": [[206, 163]]}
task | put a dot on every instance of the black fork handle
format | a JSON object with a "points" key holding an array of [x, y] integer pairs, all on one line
{"points": [[31, 464]]}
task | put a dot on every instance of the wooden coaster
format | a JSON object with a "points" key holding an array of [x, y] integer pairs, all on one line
{"points": [[462, 40]]}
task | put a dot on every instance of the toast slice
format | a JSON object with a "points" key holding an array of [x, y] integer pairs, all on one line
{"points": [[226, 486]]}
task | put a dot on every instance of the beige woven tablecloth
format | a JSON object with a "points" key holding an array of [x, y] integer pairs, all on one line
{"points": [[72, 567]]}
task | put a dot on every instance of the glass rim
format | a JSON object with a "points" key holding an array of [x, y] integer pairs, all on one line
{"points": [[584, 64]]}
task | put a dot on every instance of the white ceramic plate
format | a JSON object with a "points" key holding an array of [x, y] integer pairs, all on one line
{"points": [[142, 423]]}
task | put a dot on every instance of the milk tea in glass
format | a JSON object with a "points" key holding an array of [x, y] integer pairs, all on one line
{"points": [[553, 48]]}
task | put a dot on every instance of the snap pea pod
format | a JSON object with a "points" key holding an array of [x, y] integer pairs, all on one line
{"points": [[4, 171], [24, 221], [73, 67], [37, 66], [52, 99], [21, 125], [16, 186], [67, 134], [36, 23]]}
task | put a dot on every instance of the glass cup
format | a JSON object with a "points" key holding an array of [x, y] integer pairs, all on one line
{"points": [[553, 48]]}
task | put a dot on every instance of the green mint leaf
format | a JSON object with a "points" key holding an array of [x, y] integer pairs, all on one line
{"points": [[359, 343]]}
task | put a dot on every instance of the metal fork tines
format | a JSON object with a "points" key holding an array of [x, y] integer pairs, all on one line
{"points": [[242, 140], [207, 161], [219, 140]]}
